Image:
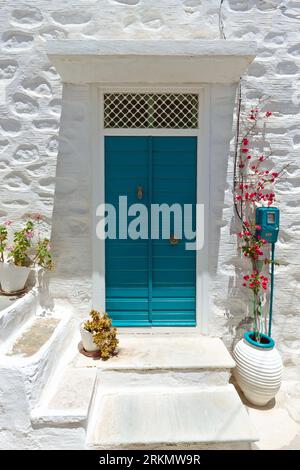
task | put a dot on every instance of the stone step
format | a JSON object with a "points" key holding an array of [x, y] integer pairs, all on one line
{"points": [[153, 352], [162, 378], [143, 360], [169, 417], [69, 402], [184, 379]]}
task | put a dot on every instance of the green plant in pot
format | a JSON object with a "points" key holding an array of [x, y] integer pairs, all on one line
{"points": [[98, 335], [20, 251], [258, 369]]}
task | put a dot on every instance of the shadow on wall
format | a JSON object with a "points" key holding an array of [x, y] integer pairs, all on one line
{"points": [[239, 300], [238, 315], [224, 263], [71, 223]]}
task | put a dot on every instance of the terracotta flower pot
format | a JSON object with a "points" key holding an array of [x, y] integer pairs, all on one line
{"points": [[13, 278], [87, 339], [258, 369]]}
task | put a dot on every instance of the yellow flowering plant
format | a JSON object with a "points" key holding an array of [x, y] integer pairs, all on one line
{"points": [[104, 335]]}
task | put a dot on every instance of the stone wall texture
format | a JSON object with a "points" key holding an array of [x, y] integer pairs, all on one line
{"points": [[30, 114]]}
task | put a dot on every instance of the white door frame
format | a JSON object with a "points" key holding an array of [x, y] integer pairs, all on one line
{"points": [[97, 135]]}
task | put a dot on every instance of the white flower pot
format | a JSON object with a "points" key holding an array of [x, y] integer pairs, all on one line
{"points": [[258, 369], [13, 278], [87, 339]]}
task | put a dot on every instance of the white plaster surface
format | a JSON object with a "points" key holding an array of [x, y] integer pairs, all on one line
{"points": [[69, 402], [196, 395], [141, 417], [23, 379], [16, 313], [80, 383], [30, 117], [73, 400], [278, 423], [31, 121], [121, 61], [165, 352]]}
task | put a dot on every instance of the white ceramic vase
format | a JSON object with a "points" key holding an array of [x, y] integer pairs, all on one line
{"points": [[258, 369], [13, 278], [87, 339]]}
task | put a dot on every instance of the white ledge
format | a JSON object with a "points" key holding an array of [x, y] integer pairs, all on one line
{"points": [[164, 61]]}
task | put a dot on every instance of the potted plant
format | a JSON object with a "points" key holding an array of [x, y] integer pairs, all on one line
{"points": [[98, 335], [258, 369], [21, 250]]}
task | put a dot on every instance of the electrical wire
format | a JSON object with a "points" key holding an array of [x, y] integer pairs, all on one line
{"points": [[221, 23], [236, 180]]}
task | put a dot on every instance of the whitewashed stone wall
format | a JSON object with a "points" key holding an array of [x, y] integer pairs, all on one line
{"points": [[30, 113]]}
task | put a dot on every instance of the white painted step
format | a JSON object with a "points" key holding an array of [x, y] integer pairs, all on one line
{"points": [[169, 352], [143, 360], [174, 359], [69, 402], [144, 417]]}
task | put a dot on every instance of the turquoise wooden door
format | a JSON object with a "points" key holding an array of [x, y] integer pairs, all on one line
{"points": [[150, 282]]}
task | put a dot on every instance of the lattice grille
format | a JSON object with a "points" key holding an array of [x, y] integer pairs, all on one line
{"points": [[150, 110]]}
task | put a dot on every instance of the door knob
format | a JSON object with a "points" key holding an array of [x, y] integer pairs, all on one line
{"points": [[173, 240], [139, 192]]}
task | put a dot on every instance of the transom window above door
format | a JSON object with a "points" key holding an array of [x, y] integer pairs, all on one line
{"points": [[151, 110]]}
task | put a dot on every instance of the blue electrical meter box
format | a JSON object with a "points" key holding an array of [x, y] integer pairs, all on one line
{"points": [[268, 219]]}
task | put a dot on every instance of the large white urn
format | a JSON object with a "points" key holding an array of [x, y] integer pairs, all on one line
{"points": [[258, 369]]}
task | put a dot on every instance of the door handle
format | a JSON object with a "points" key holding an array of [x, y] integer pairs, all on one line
{"points": [[173, 240], [139, 192]]}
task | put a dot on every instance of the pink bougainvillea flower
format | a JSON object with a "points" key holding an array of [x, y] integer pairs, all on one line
{"points": [[253, 114], [29, 234], [268, 114], [8, 222], [245, 141], [245, 150]]}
